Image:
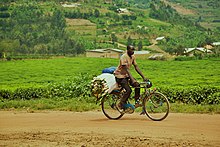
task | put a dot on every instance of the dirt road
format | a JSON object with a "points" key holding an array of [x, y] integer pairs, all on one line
{"points": [[55, 128]]}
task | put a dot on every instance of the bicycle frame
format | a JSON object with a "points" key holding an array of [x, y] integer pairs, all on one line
{"points": [[145, 95], [154, 104]]}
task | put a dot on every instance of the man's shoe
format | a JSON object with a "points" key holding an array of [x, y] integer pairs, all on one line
{"points": [[137, 103], [126, 106], [129, 108]]}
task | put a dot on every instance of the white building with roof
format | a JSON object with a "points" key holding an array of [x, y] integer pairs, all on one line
{"points": [[216, 43], [192, 51], [122, 10], [105, 53], [160, 38]]}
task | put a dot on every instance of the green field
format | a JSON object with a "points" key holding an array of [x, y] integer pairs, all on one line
{"points": [[191, 86], [29, 73], [61, 83]]}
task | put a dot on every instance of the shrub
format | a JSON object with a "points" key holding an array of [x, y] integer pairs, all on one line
{"points": [[77, 87], [184, 58], [213, 99], [196, 95], [4, 15], [5, 94], [4, 8], [29, 93], [8, 58], [80, 88]]}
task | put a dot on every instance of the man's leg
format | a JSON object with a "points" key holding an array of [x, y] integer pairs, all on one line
{"points": [[137, 94], [124, 84], [137, 90]]}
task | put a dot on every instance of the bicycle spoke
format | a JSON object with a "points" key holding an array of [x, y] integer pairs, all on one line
{"points": [[109, 107], [157, 107]]}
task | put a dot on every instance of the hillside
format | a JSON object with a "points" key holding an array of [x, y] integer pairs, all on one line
{"points": [[205, 12], [137, 26], [76, 26]]}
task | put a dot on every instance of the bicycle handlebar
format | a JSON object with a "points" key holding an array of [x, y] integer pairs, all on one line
{"points": [[148, 84], [142, 83]]}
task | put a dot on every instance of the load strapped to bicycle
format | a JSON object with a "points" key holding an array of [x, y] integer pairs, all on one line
{"points": [[151, 102]]}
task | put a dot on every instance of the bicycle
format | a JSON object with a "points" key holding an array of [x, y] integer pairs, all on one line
{"points": [[154, 104]]}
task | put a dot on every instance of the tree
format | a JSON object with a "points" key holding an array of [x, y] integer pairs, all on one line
{"points": [[96, 13], [41, 49], [140, 46], [58, 22], [179, 50], [114, 38], [129, 41], [80, 48]]}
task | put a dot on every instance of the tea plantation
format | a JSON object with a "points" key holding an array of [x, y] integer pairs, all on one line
{"points": [[68, 79]]}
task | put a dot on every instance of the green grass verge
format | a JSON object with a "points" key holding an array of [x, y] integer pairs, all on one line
{"points": [[61, 104], [189, 108], [80, 105]]}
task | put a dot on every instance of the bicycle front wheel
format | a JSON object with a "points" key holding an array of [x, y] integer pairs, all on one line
{"points": [[156, 106], [109, 107]]}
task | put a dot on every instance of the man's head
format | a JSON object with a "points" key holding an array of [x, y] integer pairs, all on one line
{"points": [[130, 50]]}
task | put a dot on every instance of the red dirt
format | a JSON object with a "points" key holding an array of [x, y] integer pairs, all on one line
{"points": [[85, 129]]}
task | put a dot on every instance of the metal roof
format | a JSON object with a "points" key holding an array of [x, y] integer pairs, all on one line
{"points": [[106, 50], [141, 52], [187, 50], [216, 43]]}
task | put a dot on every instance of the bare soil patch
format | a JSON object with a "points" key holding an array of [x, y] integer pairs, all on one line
{"points": [[180, 9], [79, 22], [57, 128]]}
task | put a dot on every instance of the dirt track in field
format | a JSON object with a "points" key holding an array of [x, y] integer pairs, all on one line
{"points": [[55, 128]]}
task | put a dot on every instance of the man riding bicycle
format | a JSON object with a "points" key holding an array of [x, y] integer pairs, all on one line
{"points": [[124, 78]]}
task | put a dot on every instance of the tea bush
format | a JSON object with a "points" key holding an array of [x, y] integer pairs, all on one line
{"points": [[72, 88], [195, 95], [79, 87]]}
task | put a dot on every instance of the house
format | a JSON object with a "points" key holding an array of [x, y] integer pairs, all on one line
{"points": [[156, 56], [141, 27], [71, 5], [160, 38], [104, 53], [216, 43], [139, 54], [192, 51], [208, 47], [122, 10]]}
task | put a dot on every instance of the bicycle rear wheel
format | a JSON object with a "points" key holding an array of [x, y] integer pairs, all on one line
{"points": [[157, 106], [109, 107]]}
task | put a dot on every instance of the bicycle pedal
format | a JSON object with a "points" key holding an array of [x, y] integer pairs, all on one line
{"points": [[129, 111], [137, 105]]}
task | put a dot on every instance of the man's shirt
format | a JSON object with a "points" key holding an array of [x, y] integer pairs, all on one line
{"points": [[127, 61]]}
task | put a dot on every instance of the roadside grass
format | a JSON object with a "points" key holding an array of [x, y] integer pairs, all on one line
{"points": [[60, 104], [189, 108], [81, 105]]}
